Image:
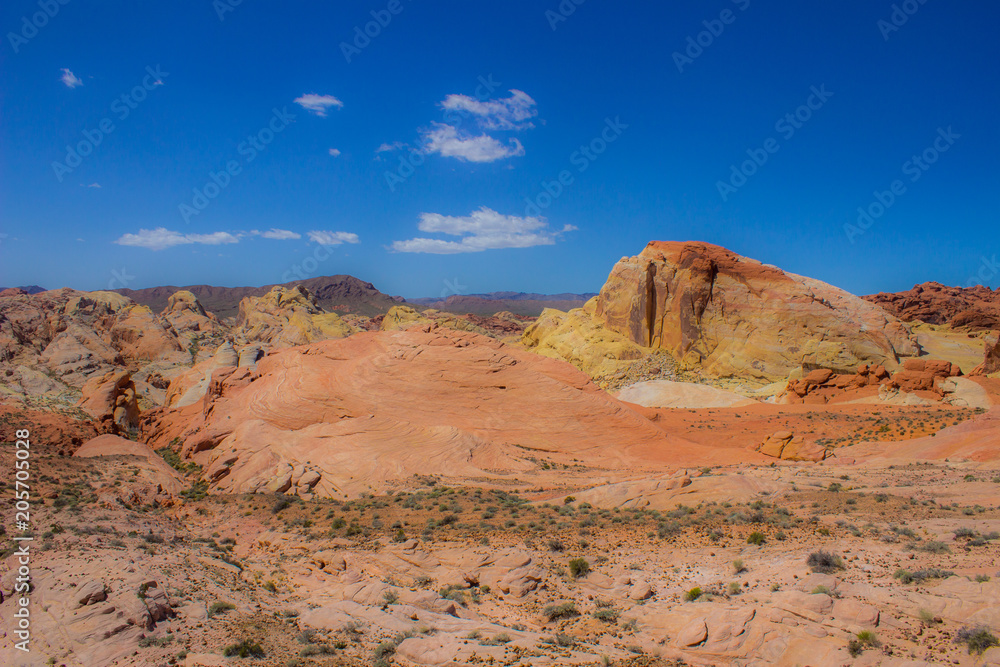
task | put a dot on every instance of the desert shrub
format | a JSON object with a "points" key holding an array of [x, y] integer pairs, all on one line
{"points": [[824, 562], [864, 639], [270, 586], [964, 532], [835, 487], [220, 607], [554, 612], [738, 566], [735, 588], [693, 594], [579, 567], [390, 597], [280, 504], [155, 641], [606, 615], [935, 547], [245, 649], [756, 538], [977, 639], [556, 545], [821, 590]]}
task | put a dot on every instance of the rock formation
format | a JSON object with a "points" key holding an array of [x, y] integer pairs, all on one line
{"points": [[111, 400], [285, 317], [345, 416], [579, 338], [976, 308], [991, 357], [732, 316], [787, 446]]}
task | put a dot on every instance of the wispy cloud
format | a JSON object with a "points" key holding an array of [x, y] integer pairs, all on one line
{"points": [[318, 104], [511, 113], [484, 229], [90, 185], [386, 148], [334, 152], [162, 238], [450, 142], [332, 238], [277, 234], [71, 80]]}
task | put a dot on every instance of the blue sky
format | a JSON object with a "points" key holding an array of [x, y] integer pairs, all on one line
{"points": [[476, 107]]}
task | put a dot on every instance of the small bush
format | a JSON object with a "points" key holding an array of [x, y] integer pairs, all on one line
{"points": [[935, 547], [865, 639], [579, 567], [245, 649], [738, 566], [824, 562], [693, 594], [220, 607], [554, 612], [735, 588], [977, 639], [756, 538], [606, 615]]}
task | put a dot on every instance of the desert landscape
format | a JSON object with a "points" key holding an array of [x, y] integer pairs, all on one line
{"points": [[712, 461], [388, 333]]}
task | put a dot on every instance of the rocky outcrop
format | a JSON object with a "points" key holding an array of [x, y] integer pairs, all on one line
{"points": [[917, 375], [975, 308], [991, 357], [581, 339], [111, 400], [352, 415], [284, 317], [787, 446], [733, 316]]}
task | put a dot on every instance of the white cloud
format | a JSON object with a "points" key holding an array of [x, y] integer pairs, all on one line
{"points": [[318, 104], [277, 234], [71, 80], [332, 238], [484, 229], [334, 152], [386, 148], [511, 113], [91, 185], [449, 142], [162, 238]]}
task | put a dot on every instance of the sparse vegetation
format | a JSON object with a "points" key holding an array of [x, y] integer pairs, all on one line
{"points": [[824, 562]]}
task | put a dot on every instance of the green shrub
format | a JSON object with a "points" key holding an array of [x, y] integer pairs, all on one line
{"points": [[693, 594], [245, 649], [824, 562], [606, 615], [977, 639], [554, 612], [579, 567], [756, 538]]}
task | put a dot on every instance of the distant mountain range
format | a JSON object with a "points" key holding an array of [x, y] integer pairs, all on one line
{"points": [[519, 303], [345, 294], [30, 289]]}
